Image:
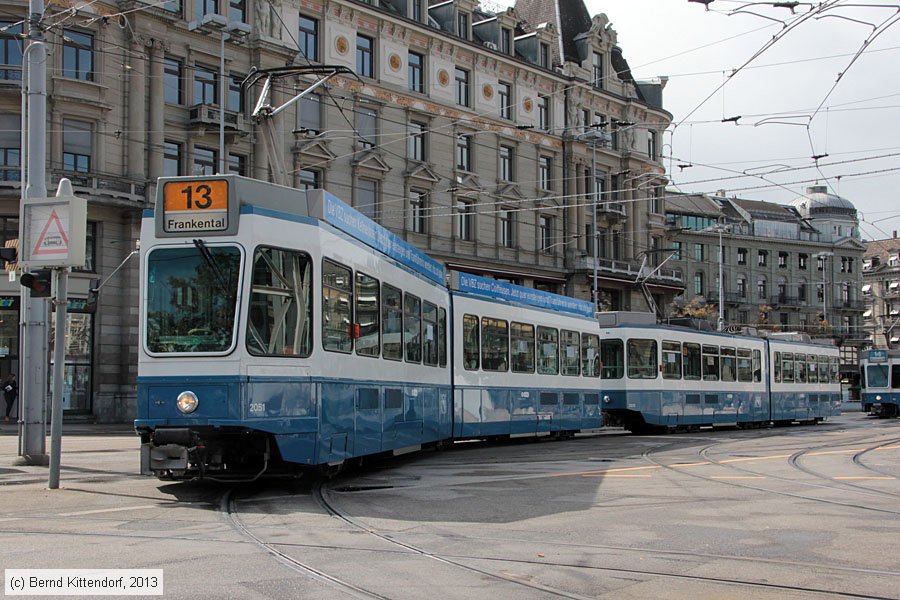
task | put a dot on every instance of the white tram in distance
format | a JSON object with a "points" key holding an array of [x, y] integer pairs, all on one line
{"points": [[880, 382]]}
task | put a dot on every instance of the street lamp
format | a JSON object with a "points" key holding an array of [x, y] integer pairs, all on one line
{"points": [[594, 137], [230, 30], [823, 256]]}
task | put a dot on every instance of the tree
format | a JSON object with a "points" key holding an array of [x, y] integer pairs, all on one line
{"points": [[695, 308]]}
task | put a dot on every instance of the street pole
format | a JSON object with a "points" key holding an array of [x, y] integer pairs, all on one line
{"points": [[596, 253], [33, 363], [824, 293], [222, 85], [721, 320], [61, 277]]}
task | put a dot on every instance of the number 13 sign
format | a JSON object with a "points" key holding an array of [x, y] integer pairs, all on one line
{"points": [[197, 205]]}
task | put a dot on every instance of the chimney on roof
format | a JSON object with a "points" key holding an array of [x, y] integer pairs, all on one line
{"points": [[895, 234], [721, 194]]}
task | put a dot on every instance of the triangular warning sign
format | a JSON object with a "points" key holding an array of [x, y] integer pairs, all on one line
{"points": [[54, 243]]}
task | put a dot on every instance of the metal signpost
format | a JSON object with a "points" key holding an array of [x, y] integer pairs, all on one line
{"points": [[53, 236]]}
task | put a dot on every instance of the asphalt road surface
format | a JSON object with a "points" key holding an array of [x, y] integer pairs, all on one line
{"points": [[799, 512]]}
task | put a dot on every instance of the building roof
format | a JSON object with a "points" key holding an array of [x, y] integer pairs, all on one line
{"points": [[817, 202], [767, 211], [570, 17], [692, 204], [883, 249]]}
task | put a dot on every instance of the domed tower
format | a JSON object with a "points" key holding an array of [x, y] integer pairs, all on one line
{"points": [[833, 216]]}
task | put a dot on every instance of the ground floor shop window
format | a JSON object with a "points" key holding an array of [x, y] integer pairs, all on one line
{"points": [[77, 370]]}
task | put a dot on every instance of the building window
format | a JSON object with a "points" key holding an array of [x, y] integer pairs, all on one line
{"points": [[207, 7], [543, 106], [742, 286], [417, 10], [77, 145], [698, 284], [310, 114], [310, 179], [234, 102], [465, 220], [762, 258], [367, 126], [507, 227], [172, 159], [415, 141], [237, 11], [597, 70], [544, 57], [367, 197], [464, 152], [462, 25], [504, 96], [586, 119], [782, 260], [10, 51], [416, 72], [78, 55], [545, 172], [802, 261], [820, 292], [172, 6], [90, 249], [676, 250], [417, 205], [742, 256], [173, 90], [237, 164], [507, 155], [10, 143], [545, 233], [761, 288], [699, 252], [506, 45], [801, 291], [462, 87], [205, 160], [651, 145], [206, 85], [365, 64], [308, 39]]}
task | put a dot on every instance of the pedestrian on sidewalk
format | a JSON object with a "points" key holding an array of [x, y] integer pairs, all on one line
{"points": [[10, 393]]}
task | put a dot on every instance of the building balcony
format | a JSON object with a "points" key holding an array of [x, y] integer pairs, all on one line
{"points": [[206, 116], [712, 297], [851, 304], [611, 208], [785, 300]]}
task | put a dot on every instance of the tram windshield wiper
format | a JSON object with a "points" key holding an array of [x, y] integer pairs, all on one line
{"points": [[221, 278]]}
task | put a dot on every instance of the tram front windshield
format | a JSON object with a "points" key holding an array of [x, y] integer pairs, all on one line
{"points": [[878, 376], [191, 298]]}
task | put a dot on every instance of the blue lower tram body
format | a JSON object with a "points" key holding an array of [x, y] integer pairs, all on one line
{"points": [[645, 410], [883, 404], [249, 425]]}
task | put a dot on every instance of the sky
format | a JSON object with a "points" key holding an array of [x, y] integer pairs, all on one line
{"points": [[791, 104]]}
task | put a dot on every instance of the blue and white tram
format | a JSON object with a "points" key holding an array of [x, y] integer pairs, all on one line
{"points": [[526, 362], [880, 383], [805, 381], [282, 327]]}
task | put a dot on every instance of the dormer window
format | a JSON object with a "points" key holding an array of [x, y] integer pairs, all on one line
{"points": [[462, 25], [506, 46], [544, 56], [894, 260], [597, 70]]}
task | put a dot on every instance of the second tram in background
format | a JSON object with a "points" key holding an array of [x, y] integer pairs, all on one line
{"points": [[880, 383]]}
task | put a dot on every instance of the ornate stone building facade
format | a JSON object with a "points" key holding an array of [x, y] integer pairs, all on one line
{"points": [[881, 292], [513, 143]]}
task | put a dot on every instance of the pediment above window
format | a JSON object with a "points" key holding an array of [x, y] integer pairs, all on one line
{"points": [[468, 181], [510, 190], [315, 148], [422, 171], [370, 159]]}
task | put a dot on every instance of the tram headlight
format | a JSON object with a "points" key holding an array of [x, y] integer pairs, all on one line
{"points": [[606, 399], [878, 397], [187, 402]]}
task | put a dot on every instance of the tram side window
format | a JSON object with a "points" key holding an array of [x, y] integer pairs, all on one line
{"points": [[612, 359], [548, 351], [878, 376], [494, 344], [642, 359], [412, 328], [728, 364], [429, 334], [693, 364], [442, 337], [895, 377], [671, 356], [590, 355], [757, 366], [337, 302], [835, 364], [391, 322], [710, 363], [824, 371], [812, 369], [522, 347], [280, 315], [571, 354], [367, 312], [800, 368], [778, 367], [862, 378], [471, 342], [787, 367], [744, 365]]}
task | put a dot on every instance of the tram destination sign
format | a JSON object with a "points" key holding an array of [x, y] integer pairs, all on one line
{"points": [[191, 206]]}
